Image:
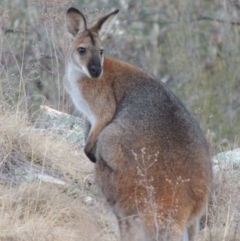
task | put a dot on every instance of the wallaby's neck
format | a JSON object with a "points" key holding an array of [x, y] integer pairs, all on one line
{"points": [[115, 65]]}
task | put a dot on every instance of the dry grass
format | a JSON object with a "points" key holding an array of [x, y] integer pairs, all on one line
{"points": [[40, 211], [224, 212], [37, 210]]}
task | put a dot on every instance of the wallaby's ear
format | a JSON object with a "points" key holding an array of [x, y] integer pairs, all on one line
{"points": [[75, 21], [104, 23]]}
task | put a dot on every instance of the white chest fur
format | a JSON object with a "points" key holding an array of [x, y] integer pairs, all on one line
{"points": [[73, 76]]}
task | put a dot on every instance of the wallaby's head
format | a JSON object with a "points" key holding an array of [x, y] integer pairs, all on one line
{"points": [[86, 52]]}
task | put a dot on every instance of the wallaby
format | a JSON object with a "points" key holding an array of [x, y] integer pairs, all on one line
{"points": [[152, 162]]}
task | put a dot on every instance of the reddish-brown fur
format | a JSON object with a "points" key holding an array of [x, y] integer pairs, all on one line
{"points": [[152, 161]]}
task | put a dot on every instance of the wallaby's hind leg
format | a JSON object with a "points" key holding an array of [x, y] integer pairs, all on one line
{"points": [[193, 230], [163, 229], [185, 234], [138, 228], [131, 229], [167, 235]]}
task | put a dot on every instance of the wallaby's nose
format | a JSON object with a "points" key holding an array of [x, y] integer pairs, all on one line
{"points": [[95, 71]]}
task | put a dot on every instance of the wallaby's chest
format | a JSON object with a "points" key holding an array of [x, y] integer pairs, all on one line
{"points": [[74, 89]]}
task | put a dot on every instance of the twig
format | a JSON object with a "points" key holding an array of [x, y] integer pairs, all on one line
{"points": [[202, 18], [16, 31]]}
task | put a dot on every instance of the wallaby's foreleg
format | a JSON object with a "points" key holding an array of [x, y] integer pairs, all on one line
{"points": [[90, 146], [102, 120], [91, 142]]}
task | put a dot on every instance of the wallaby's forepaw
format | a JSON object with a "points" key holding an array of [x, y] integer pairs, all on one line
{"points": [[90, 153]]}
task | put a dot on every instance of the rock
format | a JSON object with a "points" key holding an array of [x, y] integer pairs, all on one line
{"points": [[67, 126], [44, 178], [88, 201], [227, 161], [27, 173]]}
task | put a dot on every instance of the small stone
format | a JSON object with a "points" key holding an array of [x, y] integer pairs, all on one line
{"points": [[88, 201]]}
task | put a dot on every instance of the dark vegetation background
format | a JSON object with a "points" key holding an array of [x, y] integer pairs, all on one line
{"points": [[192, 46]]}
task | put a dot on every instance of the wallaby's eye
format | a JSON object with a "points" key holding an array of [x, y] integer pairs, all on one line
{"points": [[82, 51], [101, 51]]}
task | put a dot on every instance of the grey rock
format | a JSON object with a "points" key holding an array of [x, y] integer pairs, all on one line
{"points": [[63, 125], [227, 161]]}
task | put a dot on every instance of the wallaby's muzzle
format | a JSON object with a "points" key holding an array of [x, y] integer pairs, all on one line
{"points": [[94, 67], [95, 71]]}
